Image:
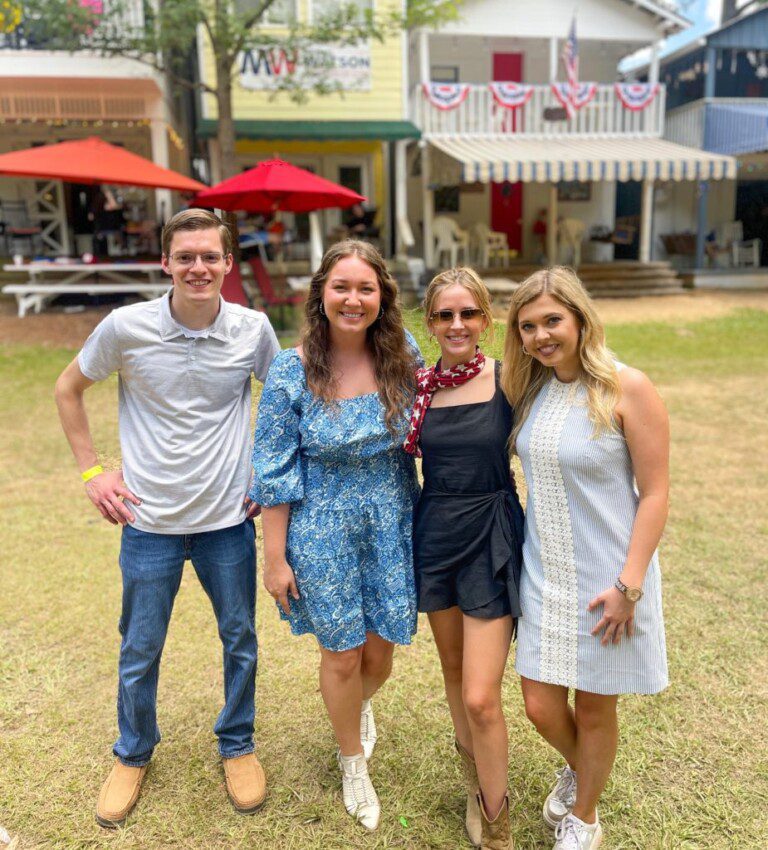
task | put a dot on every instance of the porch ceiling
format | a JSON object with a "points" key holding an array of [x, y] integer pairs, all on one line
{"points": [[551, 160]]}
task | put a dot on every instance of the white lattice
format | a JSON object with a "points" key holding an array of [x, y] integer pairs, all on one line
{"points": [[560, 606]]}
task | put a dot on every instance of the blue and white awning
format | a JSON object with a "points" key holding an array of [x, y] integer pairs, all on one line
{"points": [[529, 160]]}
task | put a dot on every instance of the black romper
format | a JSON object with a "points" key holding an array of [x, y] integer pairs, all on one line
{"points": [[468, 523]]}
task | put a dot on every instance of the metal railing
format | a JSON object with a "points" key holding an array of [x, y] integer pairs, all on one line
{"points": [[541, 117]]}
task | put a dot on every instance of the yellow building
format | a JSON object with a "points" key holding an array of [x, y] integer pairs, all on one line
{"points": [[348, 136]]}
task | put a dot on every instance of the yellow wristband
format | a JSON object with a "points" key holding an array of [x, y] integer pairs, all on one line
{"points": [[92, 472]]}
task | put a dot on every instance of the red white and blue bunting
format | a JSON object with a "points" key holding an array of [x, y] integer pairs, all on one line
{"points": [[573, 98], [636, 96], [511, 95], [446, 95]]}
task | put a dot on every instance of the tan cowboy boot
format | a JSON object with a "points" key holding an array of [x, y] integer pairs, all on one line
{"points": [[496, 835], [246, 783], [119, 794], [472, 818]]}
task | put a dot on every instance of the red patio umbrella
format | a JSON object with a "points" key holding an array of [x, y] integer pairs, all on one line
{"points": [[93, 161], [277, 185]]}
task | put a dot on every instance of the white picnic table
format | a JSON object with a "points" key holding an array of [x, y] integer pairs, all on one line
{"points": [[46, 280]]}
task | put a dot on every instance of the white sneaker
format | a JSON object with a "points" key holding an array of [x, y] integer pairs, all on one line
{"points": [[360, 798], [561, 798], [368, 734], [574, 834]]}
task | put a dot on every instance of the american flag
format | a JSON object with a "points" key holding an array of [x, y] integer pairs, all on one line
{"points": [[571, 62]]}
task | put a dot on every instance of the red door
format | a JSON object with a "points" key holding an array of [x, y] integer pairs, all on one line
{"points": [[507, 198]]}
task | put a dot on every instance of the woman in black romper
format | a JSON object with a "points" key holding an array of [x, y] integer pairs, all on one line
{"points": [[468, 531]]}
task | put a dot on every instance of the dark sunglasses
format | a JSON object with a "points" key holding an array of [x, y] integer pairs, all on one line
{"points": [[445, 317]]}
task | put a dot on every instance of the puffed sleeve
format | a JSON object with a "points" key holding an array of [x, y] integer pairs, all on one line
{"points": [[277, 473]]}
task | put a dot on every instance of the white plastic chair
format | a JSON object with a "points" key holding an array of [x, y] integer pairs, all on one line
{"points": [[488, 246], [449, 239], [570, 232], [743, 252]]}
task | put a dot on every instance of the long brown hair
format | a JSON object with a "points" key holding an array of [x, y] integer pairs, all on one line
{"points": [[522, 376], [394, 361]]}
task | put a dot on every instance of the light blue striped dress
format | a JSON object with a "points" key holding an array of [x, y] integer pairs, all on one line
{"points": [[582, 501]]}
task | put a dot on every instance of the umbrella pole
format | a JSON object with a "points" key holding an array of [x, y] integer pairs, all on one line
{"points": [[315, 242]]}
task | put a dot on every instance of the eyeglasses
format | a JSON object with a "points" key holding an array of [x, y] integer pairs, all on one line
{"points": [[209, 258], [446, 317]]}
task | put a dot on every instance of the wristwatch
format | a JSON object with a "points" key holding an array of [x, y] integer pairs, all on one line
{"points": [[633, 594]]}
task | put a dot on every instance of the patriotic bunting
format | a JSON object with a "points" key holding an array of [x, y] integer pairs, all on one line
{"points": [[511, 95], [446, 95], [574, 98], [636, 96]]}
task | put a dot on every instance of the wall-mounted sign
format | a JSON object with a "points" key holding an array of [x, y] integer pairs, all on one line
{"points": [[342, 65], [555, 113]]}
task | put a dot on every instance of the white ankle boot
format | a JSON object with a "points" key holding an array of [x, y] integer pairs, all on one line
{"points": [[360, 798], [368, 735]]}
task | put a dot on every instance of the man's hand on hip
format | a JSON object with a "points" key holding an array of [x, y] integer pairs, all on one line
{"points": [[110, 495]]}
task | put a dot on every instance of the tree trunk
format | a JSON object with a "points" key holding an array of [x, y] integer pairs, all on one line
{"points": [[226, 138], [226, 133]]}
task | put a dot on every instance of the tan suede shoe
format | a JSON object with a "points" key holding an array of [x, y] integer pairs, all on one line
{"points": [[246, 784], [119, 794]]}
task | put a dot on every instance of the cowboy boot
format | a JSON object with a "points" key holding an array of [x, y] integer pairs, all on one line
{"points": [[496, 835], [472, 818]]}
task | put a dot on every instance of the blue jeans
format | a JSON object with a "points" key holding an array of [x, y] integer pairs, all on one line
{"points": [[152, 564]]}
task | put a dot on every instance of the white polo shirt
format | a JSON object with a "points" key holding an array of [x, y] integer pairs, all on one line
{"points": [[184, 409]]}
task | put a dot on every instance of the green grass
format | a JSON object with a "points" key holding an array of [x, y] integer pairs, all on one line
{"points": [[693, 762]]}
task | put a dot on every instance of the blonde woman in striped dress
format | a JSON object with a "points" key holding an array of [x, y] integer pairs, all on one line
{"points": [[593, 439]]}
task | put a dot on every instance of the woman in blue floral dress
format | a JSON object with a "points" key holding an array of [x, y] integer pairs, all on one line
{"points": [[337, 494]]}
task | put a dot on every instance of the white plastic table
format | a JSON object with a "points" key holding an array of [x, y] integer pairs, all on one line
{"points": [[47, 280]]}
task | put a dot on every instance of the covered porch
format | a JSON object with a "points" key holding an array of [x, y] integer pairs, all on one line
{"points": [[538, 169]]}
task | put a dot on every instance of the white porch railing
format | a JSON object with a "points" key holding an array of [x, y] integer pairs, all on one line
{"points": [[685, 124], [480, 115]]}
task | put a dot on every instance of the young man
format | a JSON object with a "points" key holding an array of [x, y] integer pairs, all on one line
{"points": [[184, 364]]}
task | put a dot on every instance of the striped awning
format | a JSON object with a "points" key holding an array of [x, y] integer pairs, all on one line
{"points": [[552, 160]]}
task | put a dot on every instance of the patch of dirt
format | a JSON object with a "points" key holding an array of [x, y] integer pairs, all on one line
{"points": [[52, 328], [691, 307]]}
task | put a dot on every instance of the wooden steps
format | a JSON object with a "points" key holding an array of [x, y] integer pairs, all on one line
{"points": [[622, 279]]}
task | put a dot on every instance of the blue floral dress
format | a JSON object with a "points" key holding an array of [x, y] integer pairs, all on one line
{"points": [[351, 490]]}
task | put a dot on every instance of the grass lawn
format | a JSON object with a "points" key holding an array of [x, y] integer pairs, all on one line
{"points": [[692, 770]]}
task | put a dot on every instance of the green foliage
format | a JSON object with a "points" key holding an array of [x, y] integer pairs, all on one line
{"points": [[169, 30]]}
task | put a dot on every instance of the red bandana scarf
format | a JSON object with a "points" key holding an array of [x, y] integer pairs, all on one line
{"points": [[430, 379]]}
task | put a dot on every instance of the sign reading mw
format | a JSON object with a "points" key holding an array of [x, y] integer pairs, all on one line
{"points": [[342, 65]]}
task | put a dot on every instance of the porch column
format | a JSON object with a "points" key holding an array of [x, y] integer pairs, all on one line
{"points": [[403, 234], [424, 69], [646, 221], [653, 68], [552, 225], [159, 138], [701, 224], [427, 206], [710, 57], [553, 59]]}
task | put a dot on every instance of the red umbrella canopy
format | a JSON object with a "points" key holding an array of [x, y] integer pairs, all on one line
{"points": [[93, 161], [277, 185]]}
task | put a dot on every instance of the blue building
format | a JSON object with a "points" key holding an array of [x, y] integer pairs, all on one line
{"points": [[717, 100]]}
